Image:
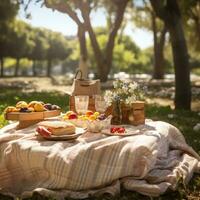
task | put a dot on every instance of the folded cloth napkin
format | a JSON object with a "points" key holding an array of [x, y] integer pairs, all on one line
{"points": [[149, 162]]}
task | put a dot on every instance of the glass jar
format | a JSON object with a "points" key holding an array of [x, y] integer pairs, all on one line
{"points": [[127, 113], [116, 113]]}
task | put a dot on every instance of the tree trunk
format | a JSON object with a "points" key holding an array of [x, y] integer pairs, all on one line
{"points": [[197, 25], [121, 31], [17, 67], [34, 68], [169, 12], [182, 69], [96, 49], [49, 65], [160, 58], [2, 66], [83, 62], [104, 63], [158, 71], [155, 43], [121, 7]]}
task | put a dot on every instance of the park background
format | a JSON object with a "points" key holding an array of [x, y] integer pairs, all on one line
{"points": [[156, 43]]}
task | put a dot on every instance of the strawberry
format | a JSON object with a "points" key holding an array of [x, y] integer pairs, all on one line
{"points": [[112, 129], [117, 130], [73, 116], [121, 130]]}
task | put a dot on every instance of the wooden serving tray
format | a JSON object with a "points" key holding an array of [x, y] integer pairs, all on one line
{"points": [[28, 119]]}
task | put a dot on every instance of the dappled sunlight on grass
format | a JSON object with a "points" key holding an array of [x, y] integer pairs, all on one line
{"points": [[183, 120], [11, 97]]}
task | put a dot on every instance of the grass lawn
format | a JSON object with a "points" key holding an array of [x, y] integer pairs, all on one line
{"points": [[184, 120]]}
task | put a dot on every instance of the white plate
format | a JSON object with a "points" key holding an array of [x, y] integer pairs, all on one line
{"points": [[129, 130], [78, 132]]}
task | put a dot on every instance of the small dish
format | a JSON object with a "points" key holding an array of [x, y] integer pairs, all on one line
{"points": [[78, 132], [129, 130]]}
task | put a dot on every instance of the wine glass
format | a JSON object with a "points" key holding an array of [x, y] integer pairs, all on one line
{"points": [[81, 104], [100, 104]]}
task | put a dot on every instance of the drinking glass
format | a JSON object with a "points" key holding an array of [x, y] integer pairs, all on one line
{"points": [[100, 104], [81, 104]]}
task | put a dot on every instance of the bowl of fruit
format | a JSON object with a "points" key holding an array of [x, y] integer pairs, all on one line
{"points": [[29, 113], [97, 122], [74, 118], [34, 110], [93, 121]]}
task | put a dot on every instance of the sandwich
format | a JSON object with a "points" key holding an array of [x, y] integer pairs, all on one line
{"points": [[58, 128]]}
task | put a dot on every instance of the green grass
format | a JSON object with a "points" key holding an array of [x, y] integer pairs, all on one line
{"points": [[184, 120]]}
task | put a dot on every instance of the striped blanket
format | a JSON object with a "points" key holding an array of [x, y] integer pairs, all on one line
{"points": [[149, 162]]}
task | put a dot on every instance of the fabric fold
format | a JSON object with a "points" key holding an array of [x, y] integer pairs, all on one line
{"points": [[94, 164]]}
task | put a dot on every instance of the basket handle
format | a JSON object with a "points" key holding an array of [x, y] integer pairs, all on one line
{"points": [[77, 72]]}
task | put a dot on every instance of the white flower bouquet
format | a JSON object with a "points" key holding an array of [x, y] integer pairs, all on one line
{"points": [[124, 92], [124, 98]]}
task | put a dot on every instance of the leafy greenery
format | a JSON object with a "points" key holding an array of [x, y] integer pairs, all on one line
{"points": [[127, 57], [20, 40], [184, 120], [8, 11]]}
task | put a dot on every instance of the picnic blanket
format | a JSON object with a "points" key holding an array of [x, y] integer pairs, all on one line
{"points": [[150, 162]]}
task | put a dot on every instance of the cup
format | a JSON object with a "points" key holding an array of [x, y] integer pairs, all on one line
{"points": [[81, 104], [100, 104]]}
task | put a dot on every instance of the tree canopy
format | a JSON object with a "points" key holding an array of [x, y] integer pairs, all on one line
{"points": [[107, 49]]}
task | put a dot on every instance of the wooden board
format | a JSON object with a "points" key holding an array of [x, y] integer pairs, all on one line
{"points": [[28, 119], [20, 116]]}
